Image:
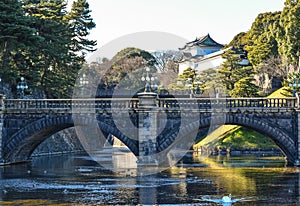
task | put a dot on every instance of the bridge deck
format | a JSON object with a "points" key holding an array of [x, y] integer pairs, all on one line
{"points": [[101, 104]]}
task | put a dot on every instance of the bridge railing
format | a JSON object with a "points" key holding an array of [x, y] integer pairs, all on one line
{"points": [[215, 103], [100, 104], [37, 104], [105, 103], [68, 104], [262, 102]]}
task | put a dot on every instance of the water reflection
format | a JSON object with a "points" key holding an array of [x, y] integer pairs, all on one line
{"points": [[227, 177], [197, 180]]}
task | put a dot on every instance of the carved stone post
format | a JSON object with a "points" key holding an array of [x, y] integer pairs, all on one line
{"points": [[297, 162], [2, 97], [147, 127], [147, 133]]}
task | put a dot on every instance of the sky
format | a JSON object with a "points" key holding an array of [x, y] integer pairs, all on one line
{"points": [[222, 19]]}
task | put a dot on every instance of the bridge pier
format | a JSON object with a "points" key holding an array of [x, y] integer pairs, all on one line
{"points": [[147, 128]]}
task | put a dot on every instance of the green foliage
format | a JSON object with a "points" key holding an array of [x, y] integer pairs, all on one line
{"points": [[188, 74], [186, 80], [289, 38], [209, 81], [282, 93], [177, 86], [16, 35], [42, 42], [132, 52], [292, 83], [239, 41], [232, 71], [239, 137], [81, 23], [202, 83], [273, 41], [244, 138], [53, 52], [236, 137], [262, 36], [128, 66], [244, 88]]}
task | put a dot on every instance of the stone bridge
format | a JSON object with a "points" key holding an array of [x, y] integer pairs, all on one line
{"points": [[147, 124]]}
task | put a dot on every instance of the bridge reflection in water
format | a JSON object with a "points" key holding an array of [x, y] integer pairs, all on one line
{"points": [[26, 123], [193, 181]]}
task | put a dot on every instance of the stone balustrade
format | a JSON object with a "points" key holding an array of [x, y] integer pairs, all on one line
{"points": [[27, 105], [214, 103]]}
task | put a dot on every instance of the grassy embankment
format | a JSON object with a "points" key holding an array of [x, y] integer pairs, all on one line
{"points": [[237, 137]]}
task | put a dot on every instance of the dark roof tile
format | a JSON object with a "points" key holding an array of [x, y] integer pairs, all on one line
{"points": [[203, 41]]}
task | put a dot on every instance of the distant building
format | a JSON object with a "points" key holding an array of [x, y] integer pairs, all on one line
{"points": [[202, 46], [204, 53], [201, 54]]}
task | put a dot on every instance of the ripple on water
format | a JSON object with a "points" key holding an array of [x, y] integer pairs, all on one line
{"points": [[20, 185]]}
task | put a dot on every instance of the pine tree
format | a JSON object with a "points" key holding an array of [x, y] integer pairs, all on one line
{"points": [[40, 41], [245, 88], [16, 35], [232, 70], [57, 58], [128, 61], [50, 56], [81, 23], [185, 81], [289, 38], [239, 41], [262, 38]]}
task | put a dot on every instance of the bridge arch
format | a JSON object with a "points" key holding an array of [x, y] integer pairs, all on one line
{"points": [[280, 137], [21, 145]]}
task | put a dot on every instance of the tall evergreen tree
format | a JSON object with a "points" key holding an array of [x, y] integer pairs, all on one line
{"points": [[262, 36], [289, 38], [232, 70], [245, 88], [81, 23], [16, 35], [57, 58], [185, 81], [51, 56], [127, 61], [239, 41]]}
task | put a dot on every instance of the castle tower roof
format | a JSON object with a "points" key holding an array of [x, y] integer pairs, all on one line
{"points": [[204, 41]]}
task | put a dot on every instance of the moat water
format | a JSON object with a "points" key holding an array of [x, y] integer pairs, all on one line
{"points": [[197, 180]]}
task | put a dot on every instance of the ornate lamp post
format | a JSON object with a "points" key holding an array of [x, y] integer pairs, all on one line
{"points": [[1, 91], [148, 79], [22, 85], [83, 81], [148, 98], [198, 90], [189, 85], [295, 85]]}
